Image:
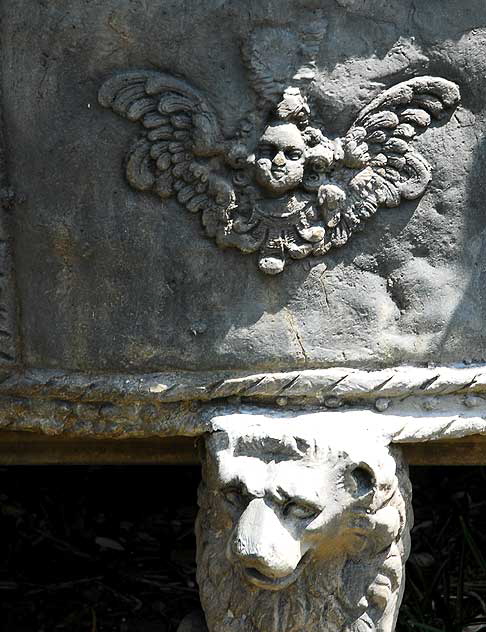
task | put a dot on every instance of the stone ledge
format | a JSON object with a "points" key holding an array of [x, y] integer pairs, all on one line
{"points": [[318, 386], [21, 448], [102, 407]]}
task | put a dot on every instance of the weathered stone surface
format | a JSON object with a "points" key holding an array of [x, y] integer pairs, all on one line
{"points": [[304, 520], [104, 406], [301, 527], [284, 127], [113, 279]]}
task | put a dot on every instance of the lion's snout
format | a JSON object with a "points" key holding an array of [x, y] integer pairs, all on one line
{"points": [[261, 543]]}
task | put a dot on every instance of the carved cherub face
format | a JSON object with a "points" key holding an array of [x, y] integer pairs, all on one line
{"points": [[280, 158]]}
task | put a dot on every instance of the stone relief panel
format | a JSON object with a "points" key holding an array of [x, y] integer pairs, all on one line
{"points": [[135, 284], [293, 192]]}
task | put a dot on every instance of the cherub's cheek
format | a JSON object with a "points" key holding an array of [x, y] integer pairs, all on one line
{"points": [[296, 171], [294, 165]]}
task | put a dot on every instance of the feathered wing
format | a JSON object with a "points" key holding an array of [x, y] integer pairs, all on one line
{"points": [[378, 163], [182, 139]]}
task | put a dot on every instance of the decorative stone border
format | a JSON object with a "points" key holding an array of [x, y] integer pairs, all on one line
{"points": [[313, 385], [169, 404]]}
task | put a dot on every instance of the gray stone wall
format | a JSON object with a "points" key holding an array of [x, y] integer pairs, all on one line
{"points": [[113, 279]]}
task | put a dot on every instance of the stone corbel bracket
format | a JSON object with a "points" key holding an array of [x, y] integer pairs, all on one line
{"points": [[305, 504], [305, 519]]}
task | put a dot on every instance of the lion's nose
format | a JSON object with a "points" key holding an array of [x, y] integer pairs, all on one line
{"points": [[261, 541]]}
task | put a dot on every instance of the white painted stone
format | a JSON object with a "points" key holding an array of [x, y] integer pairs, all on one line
{"points": [[305, 519]]}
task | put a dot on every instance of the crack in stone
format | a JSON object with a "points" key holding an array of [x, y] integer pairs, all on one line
{"points": [[295, 331]]}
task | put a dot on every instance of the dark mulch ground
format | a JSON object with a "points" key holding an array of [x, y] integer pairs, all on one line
{"points": [[112, 549], [446, 572]]}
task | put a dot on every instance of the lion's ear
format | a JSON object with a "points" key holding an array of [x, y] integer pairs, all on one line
{"points": [[363, 480]]}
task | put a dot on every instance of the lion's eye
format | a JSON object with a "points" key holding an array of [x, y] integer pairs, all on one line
{"points": [[233, 496], [300, 511]]}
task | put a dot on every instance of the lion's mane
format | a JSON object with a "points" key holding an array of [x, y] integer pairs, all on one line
{"points": [[340, 594]]}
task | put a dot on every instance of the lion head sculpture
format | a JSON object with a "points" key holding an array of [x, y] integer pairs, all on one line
{"points": [[301, 527]]}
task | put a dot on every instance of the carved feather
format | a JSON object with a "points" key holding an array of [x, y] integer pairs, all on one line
{"points": [[180, 127], [381, 140], [182, 154], [140, 172]]}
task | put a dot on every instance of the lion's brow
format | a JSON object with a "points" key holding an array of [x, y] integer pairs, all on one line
{"points": [[268, 449]]}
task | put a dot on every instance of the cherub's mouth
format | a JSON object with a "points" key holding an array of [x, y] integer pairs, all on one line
{"points": [[258, 579], [278, 174]]}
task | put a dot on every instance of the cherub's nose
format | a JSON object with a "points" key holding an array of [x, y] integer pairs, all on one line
{"points": [[279, 159]]}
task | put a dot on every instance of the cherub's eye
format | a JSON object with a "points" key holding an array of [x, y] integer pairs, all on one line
{"points": [[265, 151], [294, 154], [300, 511]]}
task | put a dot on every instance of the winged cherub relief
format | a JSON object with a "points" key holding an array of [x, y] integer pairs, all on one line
{"points": [[285, 189]]}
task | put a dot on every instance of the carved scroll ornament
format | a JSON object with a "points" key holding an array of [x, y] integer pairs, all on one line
{"points": [[283, 187]]}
